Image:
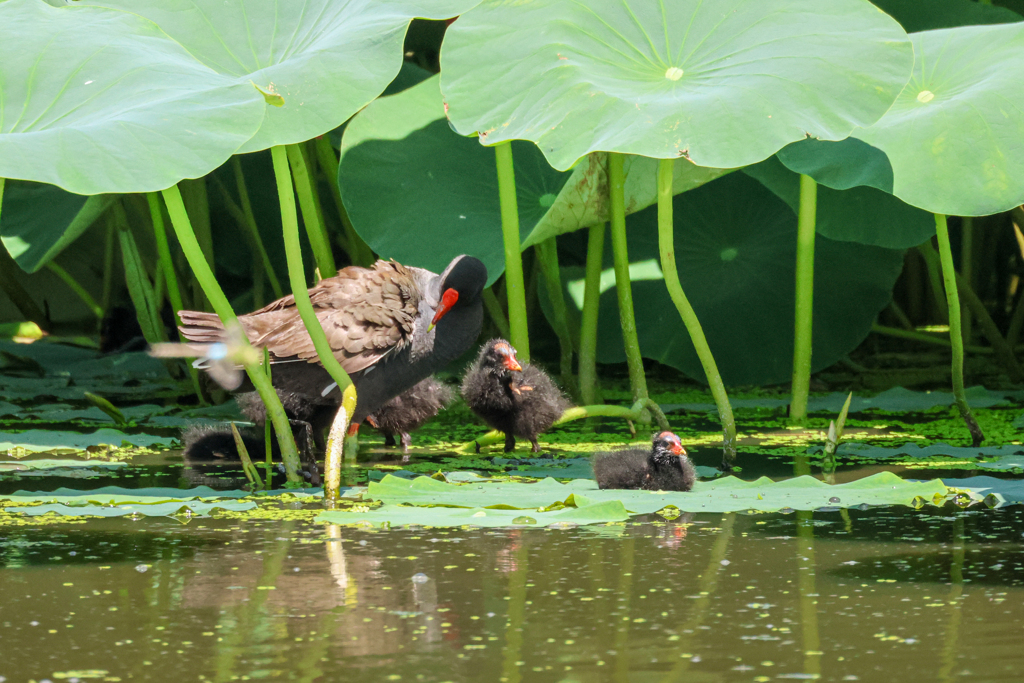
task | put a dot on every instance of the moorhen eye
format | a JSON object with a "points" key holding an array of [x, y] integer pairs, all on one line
{"points": [[663, 467], [519, 400]]}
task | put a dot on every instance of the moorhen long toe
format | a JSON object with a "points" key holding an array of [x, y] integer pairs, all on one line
{"points": [[390, 326], [664, 467], [520, 401], [410, 411]]}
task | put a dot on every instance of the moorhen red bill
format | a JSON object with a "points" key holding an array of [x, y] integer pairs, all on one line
{"points": [[664, 467], [519, 400], [390, 326]]}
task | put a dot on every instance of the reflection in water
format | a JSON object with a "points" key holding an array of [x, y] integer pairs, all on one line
{"points": [[732, 597]]}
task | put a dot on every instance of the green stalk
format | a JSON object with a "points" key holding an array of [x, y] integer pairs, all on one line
{"points": [[77, 288], [315, 230], [108, 264], [514, 285], [163, 250], [966, 268], [591, 305], [925, 338], [804, 298], [339, 443], [547, 256], [360, 254], [293, 252], [666, 242], [494, 309], [247, 467], [623, 288], [259, 379], [633, 414], [956, 337], [935, 279], [1001, 348], [249, 222], [140, 288], [268, 451]]}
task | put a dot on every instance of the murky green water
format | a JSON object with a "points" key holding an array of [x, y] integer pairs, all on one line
{"points": [[873, 595]]}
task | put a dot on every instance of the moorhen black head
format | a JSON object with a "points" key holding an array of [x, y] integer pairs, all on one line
{"points": [[390, 326], [664, 467], [409, 411], [520, 401]]}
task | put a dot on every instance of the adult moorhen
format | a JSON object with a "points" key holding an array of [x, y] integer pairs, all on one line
{"points": [[410, 411], [521, 401], [664, 467], [390, 326]]}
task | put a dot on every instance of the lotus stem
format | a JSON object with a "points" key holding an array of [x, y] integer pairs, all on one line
{"points": [[163, 250], [935, 280], [591, 307], [108, 263], [623, 287], [258, 377], [247, 467], [547, 256], [804, 314], [268, 451], [359, 252], [514, 285], [318, 239], [493, 307], [77, 288], [336, 445], [632, 413], [140, 289], [925, 338], [249, 223], [666, 245], [955, 336], [966, 269]]}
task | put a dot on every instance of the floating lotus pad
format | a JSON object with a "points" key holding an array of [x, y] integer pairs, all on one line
{"points": [[104, 101], [41, 466], [725, 83], [324, 59], [196, 507], [1005, 491], [41, 440], [1008, 455]]}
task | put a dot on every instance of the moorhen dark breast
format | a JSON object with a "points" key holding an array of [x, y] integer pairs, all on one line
{"points": [[520, 401], [664, 467], [390, 326], [410, 411]]}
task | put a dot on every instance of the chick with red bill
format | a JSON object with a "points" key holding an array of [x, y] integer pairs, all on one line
{"points": [[663, 467], [520, 400]]}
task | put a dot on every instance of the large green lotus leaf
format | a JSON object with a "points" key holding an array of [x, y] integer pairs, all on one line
{"points": [[326, 58], [735, 246], [95, 101], [726, 83], [42, 466], [38, 221], [117, 495], [41, 440], [840, 165], [954, 136], [915, 15], [860, 214], [401, 515], [728, 494], [420, 193]]}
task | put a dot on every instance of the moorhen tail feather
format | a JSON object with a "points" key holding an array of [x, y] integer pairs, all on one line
{"points": [[410, 411], [663, 467], [521, 401]]}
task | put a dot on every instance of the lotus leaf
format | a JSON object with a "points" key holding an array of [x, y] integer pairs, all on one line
{"points": [[954, 134], [50, 464], [1008, 491], [195, 507], [399, 515], [319, 60], [725, 84], [863, 451], [39, 440], [915, 15], [104, 101], [117, 495]]}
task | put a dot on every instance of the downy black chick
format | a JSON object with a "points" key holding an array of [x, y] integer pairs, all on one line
{"points": [[520, 401], [664, 467], [409, 411]]}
